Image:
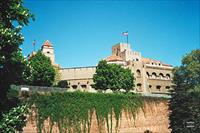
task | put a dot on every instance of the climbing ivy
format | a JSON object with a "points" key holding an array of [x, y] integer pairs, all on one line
{"points": [[72, 112]]}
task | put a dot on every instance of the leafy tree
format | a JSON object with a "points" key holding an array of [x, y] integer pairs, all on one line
{"points": [[112, 76], [185, 101], [63, 84], [13, 17], [14, 120], [42, 72]]}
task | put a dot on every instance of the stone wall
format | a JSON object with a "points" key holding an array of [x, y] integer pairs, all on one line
{"points": [[153, 117]]}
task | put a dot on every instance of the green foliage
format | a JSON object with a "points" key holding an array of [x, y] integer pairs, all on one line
{"points": [[63, 84], [71, 111], [185, 101], [57, 75], [42, 72], [113, 76], [14, 120], [13, 16]]}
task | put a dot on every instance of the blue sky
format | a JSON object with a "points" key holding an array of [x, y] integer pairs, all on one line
{"points": [[83, 32]]}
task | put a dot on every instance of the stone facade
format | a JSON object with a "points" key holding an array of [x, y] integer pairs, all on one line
{"points": [[151, 76], [78, 77]]}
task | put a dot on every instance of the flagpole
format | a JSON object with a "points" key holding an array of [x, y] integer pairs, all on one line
{"points": [[34, 45], [127, 39], [125, 34]]}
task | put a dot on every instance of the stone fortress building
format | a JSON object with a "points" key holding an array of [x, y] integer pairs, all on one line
{"points": [[151, 76]]}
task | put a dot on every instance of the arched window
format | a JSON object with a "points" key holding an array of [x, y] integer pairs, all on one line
{"points": [[148, 76], [167, 76], [153, 75], [167, 87], [150, 86], [84, 86], [139, 87], [74, 86], [161, 76], [138, 73]]}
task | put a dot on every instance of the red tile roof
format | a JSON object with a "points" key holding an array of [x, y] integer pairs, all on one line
{"points": [[47, 43]]}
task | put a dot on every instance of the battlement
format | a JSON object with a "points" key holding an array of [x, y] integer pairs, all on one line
{"points": [[136, 53], [89, 67]]}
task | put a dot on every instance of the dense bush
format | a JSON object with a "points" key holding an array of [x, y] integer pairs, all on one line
{"points": [[63, 84]]}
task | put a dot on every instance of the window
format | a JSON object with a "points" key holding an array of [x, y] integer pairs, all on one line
{"points": [[148, 76], [137, 59], [167, 87], [48, 52], [153, 75], [161, 76], [74, 86], [150, 86], [138, 73], [158, 87], [167, 76], [84, 86], [87, 82], [139, 87]]}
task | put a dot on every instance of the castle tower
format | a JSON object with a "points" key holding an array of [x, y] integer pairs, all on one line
{"points": [[124, 51], [48, 50]]}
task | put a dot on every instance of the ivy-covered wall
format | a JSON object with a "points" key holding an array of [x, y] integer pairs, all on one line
{"points": [[73, 112]]}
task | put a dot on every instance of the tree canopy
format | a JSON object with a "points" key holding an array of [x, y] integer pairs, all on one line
{"points": [[185, 101], [13, 16], [112, 76], [42, 72]]}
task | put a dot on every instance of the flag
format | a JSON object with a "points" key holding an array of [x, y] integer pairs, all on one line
{"points": [[34, 43], [125, 33]]}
